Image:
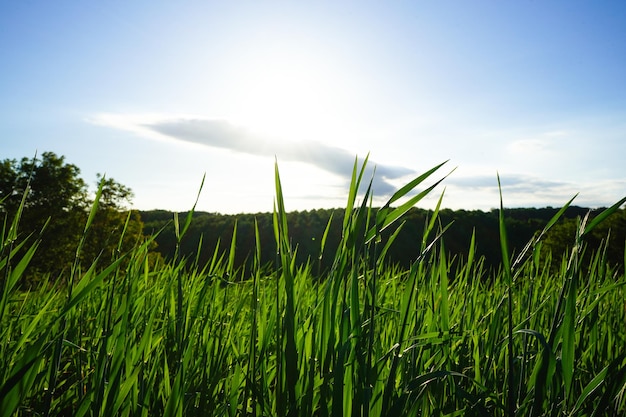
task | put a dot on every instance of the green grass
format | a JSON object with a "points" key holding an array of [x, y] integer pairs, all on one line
{"points": [[444, 337]]}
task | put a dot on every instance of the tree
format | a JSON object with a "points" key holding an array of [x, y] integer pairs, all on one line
{"points": [[56, 207], [54, 186], [113, 231], [55, 198], [611, 233]]}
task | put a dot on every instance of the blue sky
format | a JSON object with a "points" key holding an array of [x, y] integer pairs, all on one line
{"points": [[155, 94]]}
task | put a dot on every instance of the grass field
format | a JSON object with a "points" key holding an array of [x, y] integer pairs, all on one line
{"points": [[444, 337]]}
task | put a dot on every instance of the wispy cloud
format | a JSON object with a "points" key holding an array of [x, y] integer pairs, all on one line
{"points": [[219, 133], [476, 189], [520, 190], [516, 182], [531, 146], [541, 142]]}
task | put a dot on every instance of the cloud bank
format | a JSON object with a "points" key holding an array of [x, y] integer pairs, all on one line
{"points": [[222, 134], [521, 190], [474, 189]]}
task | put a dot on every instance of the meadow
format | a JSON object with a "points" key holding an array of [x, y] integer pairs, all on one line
{"points": [[541, 335]]}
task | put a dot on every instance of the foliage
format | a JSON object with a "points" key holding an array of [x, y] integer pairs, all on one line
{"points": [[609, 236], [306, 229], [56, 203], [370, 339]]}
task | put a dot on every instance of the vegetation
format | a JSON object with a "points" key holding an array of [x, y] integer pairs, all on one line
{"points": [[54, 206], [306, 228], [362, 337]]}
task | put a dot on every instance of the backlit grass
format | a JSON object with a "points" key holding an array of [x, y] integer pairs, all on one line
{"points": [[444, 337]]}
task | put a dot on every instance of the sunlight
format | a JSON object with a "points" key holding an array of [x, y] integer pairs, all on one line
{"points": [[285, 95]]}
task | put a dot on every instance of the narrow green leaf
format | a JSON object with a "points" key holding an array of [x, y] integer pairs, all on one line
{"points": [[189, 216], [589, 389], [602, 216]]}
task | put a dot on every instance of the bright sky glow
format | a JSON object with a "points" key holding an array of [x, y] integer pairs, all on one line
{"points": [[155, 94]]}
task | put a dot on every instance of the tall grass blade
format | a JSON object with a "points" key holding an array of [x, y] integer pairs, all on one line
{"points": [[506, 266], [290, 354], [602, 216], [387, 216]]}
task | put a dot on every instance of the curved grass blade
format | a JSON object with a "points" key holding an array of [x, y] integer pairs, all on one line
{"points": [[506, 265], [602, 216]]}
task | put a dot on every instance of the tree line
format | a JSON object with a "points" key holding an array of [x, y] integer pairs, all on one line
{"points": [[55, 202], [212, 233]]}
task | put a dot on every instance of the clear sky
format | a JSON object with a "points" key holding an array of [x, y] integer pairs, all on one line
{"points": [[157, 93]]}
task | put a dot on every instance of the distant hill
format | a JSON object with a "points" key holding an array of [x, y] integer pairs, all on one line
{"points": [[306, 229]]}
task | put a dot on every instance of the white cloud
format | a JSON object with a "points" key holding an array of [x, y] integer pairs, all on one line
{"points": [[521, 190], [222, 134], [535, 174], [528, 146]]}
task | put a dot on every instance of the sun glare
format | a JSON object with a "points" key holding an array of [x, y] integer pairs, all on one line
{"points": [[287, 96]]}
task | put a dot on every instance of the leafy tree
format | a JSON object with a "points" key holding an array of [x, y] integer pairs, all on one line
{"points": [[56, 197], [113, 230], [611, 234], [560, 239], [56, 207], [54, 186]]}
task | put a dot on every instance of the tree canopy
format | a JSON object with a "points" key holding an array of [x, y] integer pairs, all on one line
{"points": [[213, 230], [56, 206]]}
